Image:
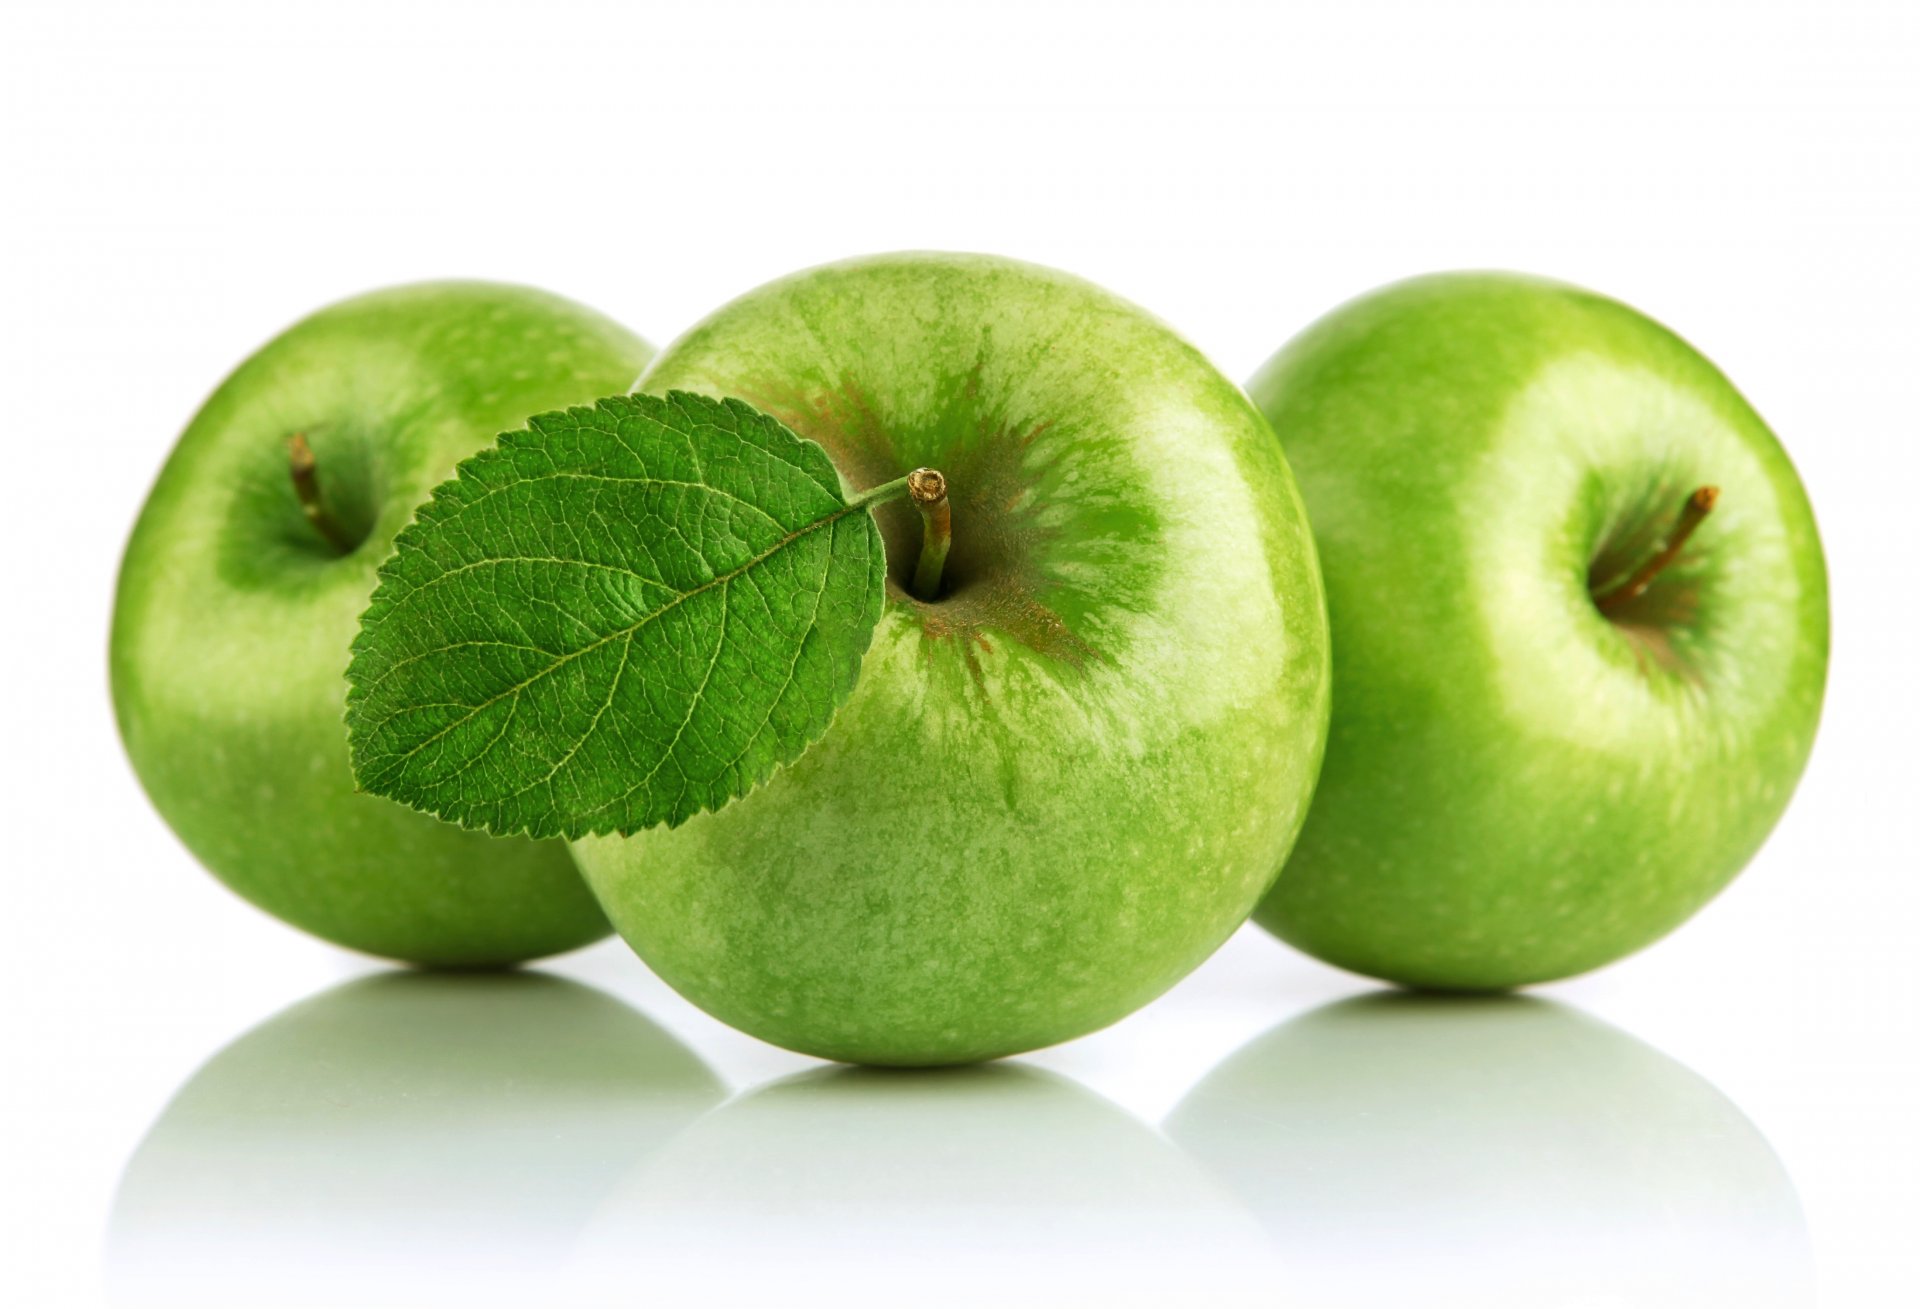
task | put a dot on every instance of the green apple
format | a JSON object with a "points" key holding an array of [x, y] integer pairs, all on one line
{"points": [[470, 1126], [242, 589], [1062, 782], [1476, 1151], [1570, 701]]}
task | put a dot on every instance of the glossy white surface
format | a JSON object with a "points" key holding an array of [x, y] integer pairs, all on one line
{"points": [[198, 1103]]}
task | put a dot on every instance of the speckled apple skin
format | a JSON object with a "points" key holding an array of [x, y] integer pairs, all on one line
{"points": [[1516, 787], [1060, 787], [232, 622]]}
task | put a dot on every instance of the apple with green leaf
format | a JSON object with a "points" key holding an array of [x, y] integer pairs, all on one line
{"points": [[245, 578], [1579, 614], [929, 661]]}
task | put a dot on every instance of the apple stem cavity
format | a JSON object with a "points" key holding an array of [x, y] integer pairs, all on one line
{"points": [[1692, 514], [306, 485]]}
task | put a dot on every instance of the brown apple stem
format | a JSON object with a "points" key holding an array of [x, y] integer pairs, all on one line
{"points": [[1692, 514], [306, 485], [927, 488]]}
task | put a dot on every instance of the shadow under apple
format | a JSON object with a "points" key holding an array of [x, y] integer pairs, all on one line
{"points": [[983, 1185], [405, 1138], [1495, 1151]]}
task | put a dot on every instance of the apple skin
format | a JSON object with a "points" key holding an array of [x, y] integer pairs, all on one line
{"points": [[1062, 785], [234, 618], [1518, 788]]}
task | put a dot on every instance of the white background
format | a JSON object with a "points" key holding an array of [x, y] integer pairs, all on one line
{"points": [[180, 181]]}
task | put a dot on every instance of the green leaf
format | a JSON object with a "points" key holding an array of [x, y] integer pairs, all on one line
{"points": [[621, 616]]}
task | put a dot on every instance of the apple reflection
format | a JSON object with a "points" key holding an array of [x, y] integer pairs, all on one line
{"points": [[1495, 1151], [988, 1185], [406, 1138]]}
